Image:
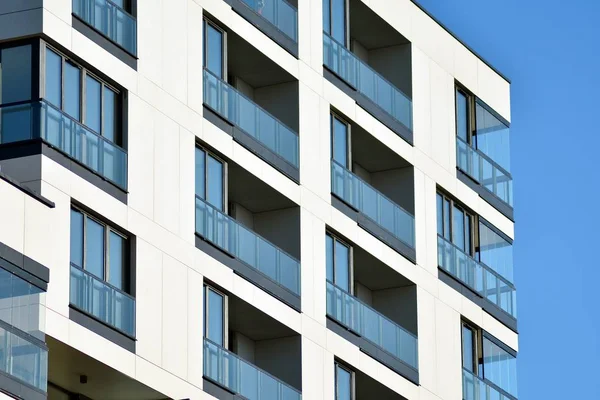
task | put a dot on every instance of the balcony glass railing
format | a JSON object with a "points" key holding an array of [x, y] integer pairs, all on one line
{"points": [[367, 81], [475, 388], [41, 119], [368, 323], [103, 301], [383, 211], [479, 277], [22, 358], [484, 171], [264, 257], [110, 20], [243, 378], [279, 13], [248, 116]]}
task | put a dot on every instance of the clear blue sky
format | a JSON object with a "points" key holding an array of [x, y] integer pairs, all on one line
{"points": [[550, 49]]}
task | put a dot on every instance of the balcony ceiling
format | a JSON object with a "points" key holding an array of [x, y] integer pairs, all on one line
{"points": [[253, 323], [370, 30], [364, 145]]}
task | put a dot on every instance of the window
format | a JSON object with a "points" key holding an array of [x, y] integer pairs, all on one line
{"points": [[344, 382], [214, 49], [455, 224], [334, 20], [82, 95], [215, 321], [339, 261], [489, 359], [99, 249], [210, 179], [15, 93], [340, 133]]}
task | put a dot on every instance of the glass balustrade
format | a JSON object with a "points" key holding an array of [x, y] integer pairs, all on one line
{"points": [[110, 20], [102, 300], [23, 358], [243, 378], [383, 211], [485, 171], [367, 81], [229, 235], [279, 13], [252, 119], [475, 388], [477, 276], [368, 323]]}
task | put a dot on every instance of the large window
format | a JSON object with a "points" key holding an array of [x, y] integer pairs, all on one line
{"points": [[215, 318], [339, 261], [99, 249], [214, 49], [344, 382], [210, 179], [455, 224], [340, 141], [334, 20], [82, 95]]}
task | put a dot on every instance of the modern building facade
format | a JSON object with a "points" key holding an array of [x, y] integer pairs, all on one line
{"points": [[260, 199]]}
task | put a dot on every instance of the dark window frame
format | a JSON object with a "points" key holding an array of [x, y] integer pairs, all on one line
{"points": [[206, 317], [335, 238], [347, 40], [336, 116], [205, 57], [469, 215], [341, 365], [224, 177]]}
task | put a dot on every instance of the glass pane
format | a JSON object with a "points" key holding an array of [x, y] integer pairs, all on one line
{"points": [[215, 320], [53, 78], [499, 367], [342, 266], [72, 91], [338, 20], [110, 116], [200, 173], [493, 137], [440, 215], [94, 248], [462, 116], [215, 183], [447, 219], [329, 253], [77, 238], [93, 110], [458, 228], [495, 252], [340, 142], [116, 261], [326, 16], [343, 384], [467, 349], [214, 50], [15, 74]]}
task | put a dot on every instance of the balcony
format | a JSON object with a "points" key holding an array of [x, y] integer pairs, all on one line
{"points": [[102, 301], [243, 378], [260, 131], [23, 357], [391, 219], [42, 120], [477, 276], [248, 247], [475, 388], [109, 20], [277, 19], [486, 173], [364, 321]]}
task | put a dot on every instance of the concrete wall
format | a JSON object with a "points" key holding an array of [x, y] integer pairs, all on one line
{"points": [[398, 185], [281, 101], [280, 227], [394, 64], [282, 358], [399, 305]]}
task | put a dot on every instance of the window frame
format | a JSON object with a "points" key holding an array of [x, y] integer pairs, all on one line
{"points": [[340, 365], [224, 177], [471, 114], [470, 216], [476, 347], [208, 287], [205, 22], [127, 284], [346, 21], [347, 244], [84, 72], [334, 115]]}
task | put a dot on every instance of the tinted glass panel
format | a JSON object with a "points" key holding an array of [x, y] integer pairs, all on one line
{"points": [[495, 252], [214, 51], [344, 384], [77, 238], [467, 349], [458, 228], [72, 90], [440, 215], [342, 266], [93, 98], [462, 116], [200, 173], [116, 261], [499, 367], [340, 142], [326, 16], [110, 116], [94, 247], [15, 74], [338, 20], [215, 183], [214, 315], [493, 137], [329, 252], [53, 78], [447, 219]]}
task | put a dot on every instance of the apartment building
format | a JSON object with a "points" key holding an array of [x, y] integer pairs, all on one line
{"points": [[252, 199]]}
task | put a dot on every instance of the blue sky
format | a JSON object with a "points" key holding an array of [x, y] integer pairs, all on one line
{"points": [[550, 50]]}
